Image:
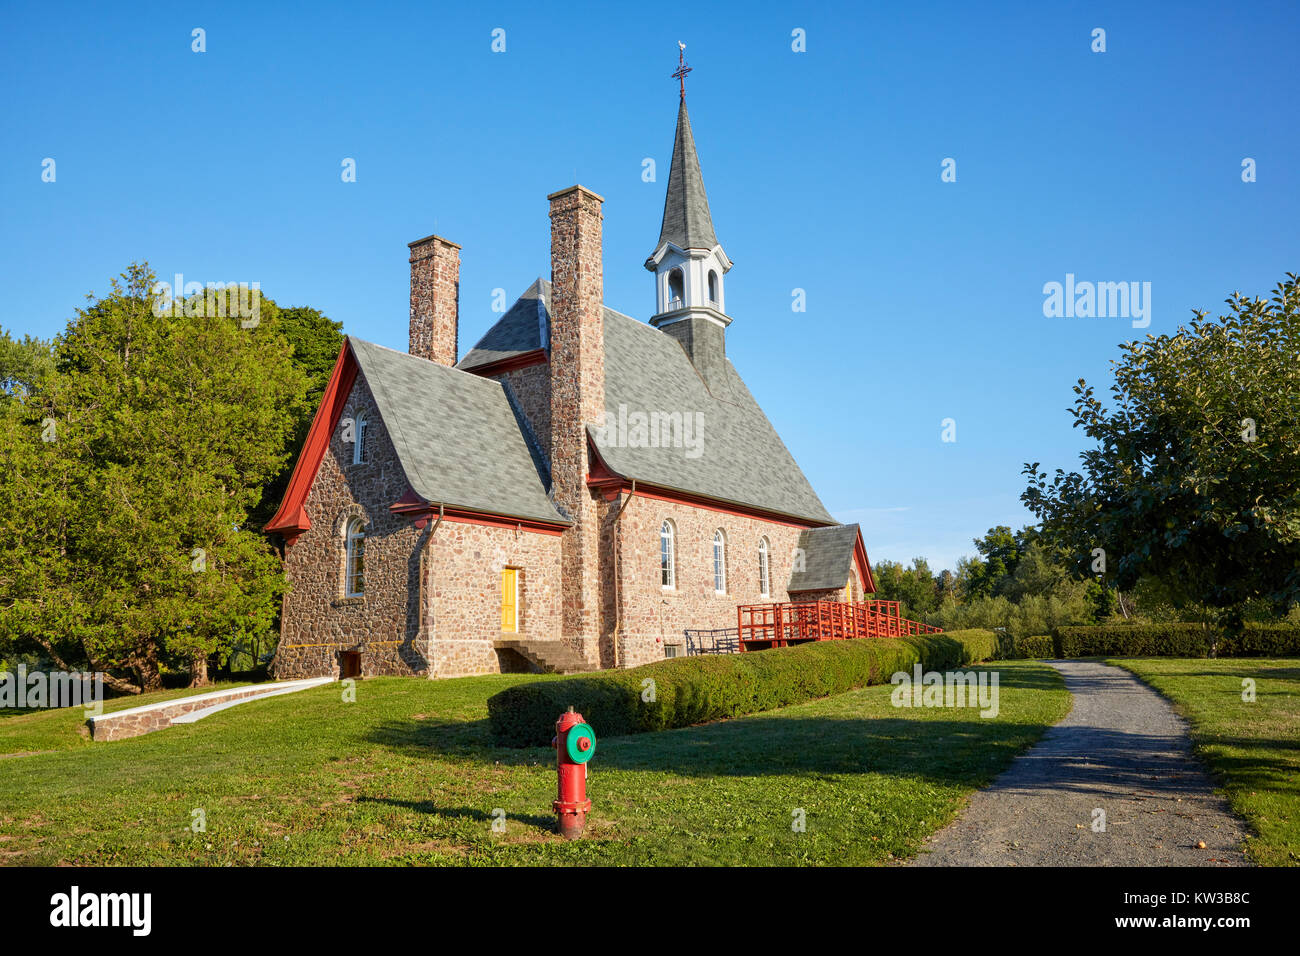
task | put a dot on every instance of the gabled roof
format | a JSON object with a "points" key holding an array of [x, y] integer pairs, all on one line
{"points": [[524, 328], [456, 435], [828, 556], [741, 460], [687, 223]]}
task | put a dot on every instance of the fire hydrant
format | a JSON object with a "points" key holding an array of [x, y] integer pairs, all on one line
{"points": [[574, 743]]}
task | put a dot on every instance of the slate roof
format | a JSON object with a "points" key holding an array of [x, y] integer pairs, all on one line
{"points": [[828, 558], [687, 223], [524, 328], [741, 458], [457, 436]]}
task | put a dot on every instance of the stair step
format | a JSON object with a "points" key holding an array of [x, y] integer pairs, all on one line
{"points": [[551, 656]]}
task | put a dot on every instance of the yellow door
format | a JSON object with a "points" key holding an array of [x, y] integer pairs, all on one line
{"points": [[848, 592], [509, 599]]}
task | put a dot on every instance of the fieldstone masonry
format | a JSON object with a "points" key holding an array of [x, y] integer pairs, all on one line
{"points": [[577, 400], [435, 299]]}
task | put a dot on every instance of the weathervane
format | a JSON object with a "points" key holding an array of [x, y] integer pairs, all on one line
{"points": [[682, 68]]}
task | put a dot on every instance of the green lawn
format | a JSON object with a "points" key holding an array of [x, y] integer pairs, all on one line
{"points": [[1252, 747], [408, 774]]}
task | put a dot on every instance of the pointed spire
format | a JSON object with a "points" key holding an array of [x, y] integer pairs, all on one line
{"points": [[687, 223]]}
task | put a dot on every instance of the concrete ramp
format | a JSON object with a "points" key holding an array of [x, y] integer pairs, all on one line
{"points": [[136, 721]]}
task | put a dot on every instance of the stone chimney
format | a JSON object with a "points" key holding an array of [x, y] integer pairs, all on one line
{"points": [[577, 400], [435, 294]]}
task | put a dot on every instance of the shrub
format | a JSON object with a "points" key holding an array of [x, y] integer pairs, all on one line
{"points": [[1177, 640], [1262, 640], [1035, 647], [1134, 640], [693, 690]]}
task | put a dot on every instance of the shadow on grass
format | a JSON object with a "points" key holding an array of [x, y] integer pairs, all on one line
{"points": [[924, 747], [545, 822]]}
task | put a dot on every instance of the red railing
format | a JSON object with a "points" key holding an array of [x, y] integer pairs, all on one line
{"points": [[780, 625]]}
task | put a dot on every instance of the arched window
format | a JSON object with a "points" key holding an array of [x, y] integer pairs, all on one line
{"points": [[764, 568], [359, 439], [719, 562], [713, 287], [676, 289], [355, 565], [667, 555]]}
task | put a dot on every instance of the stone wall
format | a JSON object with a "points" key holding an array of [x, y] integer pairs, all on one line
{"points": [[462, 565], [530, 390], [464, 587], [317, 620], [651, 615]]}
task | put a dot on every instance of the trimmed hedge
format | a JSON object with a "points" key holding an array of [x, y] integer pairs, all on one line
{"points": [[1037, 647], [692, 690], [1262, 640], [1176, 640]]}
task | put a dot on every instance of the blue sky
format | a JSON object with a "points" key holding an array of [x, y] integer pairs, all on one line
{"points": [[924, 298]]}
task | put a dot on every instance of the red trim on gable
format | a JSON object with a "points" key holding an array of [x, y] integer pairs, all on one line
{"points": [[500, 366], [291, 519], [611, 485], [864, 566]]}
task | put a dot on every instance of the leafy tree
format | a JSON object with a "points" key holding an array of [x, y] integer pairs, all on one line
{"points": [[131, 516], [22, 363], [1194, 478], [915, 587]]}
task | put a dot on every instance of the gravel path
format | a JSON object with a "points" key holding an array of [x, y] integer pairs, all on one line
{"points": [[1121, 749]]}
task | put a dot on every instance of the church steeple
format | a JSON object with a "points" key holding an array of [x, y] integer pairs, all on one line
{"points": [[688, 261], [687, 223]]}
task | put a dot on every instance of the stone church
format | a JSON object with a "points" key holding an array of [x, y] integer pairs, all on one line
{"points": [[576, 492]]}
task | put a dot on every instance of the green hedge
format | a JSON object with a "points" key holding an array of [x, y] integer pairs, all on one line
{"points": [[1262, 640], [1038, 647], [693, 690], [1133, 640], [1175, 640]]}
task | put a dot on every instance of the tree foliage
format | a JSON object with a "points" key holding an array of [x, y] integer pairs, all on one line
{"points": [[1194, 477], [130, 472]]}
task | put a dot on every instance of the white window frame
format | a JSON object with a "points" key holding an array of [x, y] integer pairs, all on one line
{"points": [[668, 556], [719, 562], [354, 560], [764, 568], [359, 439]]}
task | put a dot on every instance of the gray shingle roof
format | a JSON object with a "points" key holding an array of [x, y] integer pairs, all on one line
{"points": [[828, 558], [524, 328], [741, 458], [456, 435], [687, 223]]}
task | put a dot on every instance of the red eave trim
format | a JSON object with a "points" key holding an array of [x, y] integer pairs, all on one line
{"points": [[523, 360], [291, 519], [864, 565], [611, 485], [421, 512]]}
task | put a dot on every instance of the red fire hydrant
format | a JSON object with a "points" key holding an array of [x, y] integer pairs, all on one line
{"points": [[575, 743]]}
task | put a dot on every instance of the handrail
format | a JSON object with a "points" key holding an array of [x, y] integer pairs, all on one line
{"points": [[796, 622]]}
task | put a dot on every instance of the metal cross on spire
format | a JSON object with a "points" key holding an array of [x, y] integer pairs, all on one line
{"points": [[682, 68]]}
